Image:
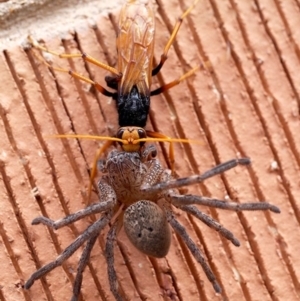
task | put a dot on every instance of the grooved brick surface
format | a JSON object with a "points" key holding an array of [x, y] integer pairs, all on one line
{"points": [[246, 103]]}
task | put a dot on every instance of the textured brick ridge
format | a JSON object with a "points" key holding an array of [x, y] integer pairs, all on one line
{"points": [[246, 104]]}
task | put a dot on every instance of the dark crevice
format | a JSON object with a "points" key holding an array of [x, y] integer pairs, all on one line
{"points": [[159, 278], [66, 210], [288, 29], [264, 81], [240, 149], [90, 75], [166, 94], [250, 92], [40, 138], [260, 115], [254, 102], [2, 298], [265, 85], [191, 265], [100, 40], [60, 94], [96, 280], [27, 166], [170, 26], [23, 228], [165, 97], [278, 51], [232, 132], [254, 179], [174, 283], [79, 88], [187, 148], [82, 96], [7, 246], [50, 106], [244, 222], [127, 262], [293, 202]]}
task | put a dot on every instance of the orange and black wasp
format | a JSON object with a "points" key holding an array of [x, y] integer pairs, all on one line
{"points": [[132, 77]]}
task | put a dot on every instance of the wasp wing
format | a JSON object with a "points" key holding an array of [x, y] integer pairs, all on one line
{"points": [[135, 44]]}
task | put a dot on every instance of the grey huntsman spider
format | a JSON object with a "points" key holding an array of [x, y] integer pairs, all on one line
{"points": [[139, 184]]}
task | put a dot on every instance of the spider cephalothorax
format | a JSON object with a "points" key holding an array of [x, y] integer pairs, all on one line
{"points": [[137, 183]]}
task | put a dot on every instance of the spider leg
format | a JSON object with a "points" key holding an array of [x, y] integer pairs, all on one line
{"points": [[210, 222], [180, 230], [109, 254], [87, 234], [188, 199], [109, 201], [197, 178], [85, 256]]}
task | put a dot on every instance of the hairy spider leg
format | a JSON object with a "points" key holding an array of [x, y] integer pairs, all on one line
{"points": [[109, 200], [210, 222], [181, 231], [197, 178], [70, 250], [163, 199], [110, 258], [220, 204], [84, 259]]}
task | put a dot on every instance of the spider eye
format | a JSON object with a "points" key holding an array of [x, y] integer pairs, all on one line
{"points": [[154, 154]]}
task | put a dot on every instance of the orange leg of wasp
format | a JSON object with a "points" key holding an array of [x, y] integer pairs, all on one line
{"points": [[164, 56], [175, 82], [74, 74], [106, 145], [171, 147]]}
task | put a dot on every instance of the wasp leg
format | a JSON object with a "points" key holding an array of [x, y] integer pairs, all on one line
{"points": [[175, 82], [171, 147], [85, 57], [164, 56], [112, 81], [93, 175]]}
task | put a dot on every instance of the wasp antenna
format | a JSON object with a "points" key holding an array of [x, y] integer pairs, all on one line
{"points": [[90, 137], [167, 139]]}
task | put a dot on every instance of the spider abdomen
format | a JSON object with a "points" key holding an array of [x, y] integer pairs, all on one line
{"points": [[147, 228]]}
